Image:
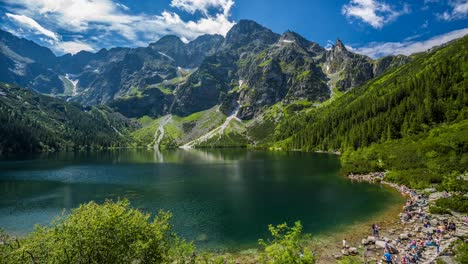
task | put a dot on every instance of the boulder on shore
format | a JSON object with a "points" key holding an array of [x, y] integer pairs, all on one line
{"points": [[404, 236], [371, 239], [380, 244]]}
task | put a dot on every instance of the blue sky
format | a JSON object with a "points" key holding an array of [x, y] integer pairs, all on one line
{"points": [[372, 27]]}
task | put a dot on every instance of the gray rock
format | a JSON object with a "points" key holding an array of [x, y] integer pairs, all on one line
{"points": [[353, 251], [380, 244], [371, 239], [338, 256], [404, 236]]}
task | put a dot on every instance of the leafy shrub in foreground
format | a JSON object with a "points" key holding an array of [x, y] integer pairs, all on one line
{"points": [[109, 233], [285, 247]]}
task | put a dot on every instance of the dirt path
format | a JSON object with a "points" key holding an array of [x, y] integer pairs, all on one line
{"points": [[216, 131], [159, 133]]}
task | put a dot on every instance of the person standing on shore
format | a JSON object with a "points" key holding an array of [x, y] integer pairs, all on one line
{"points": [[437, 243], [388, 257]]}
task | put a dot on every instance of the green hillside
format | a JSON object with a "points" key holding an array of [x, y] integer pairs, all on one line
{"points": [[32, 122], [411, 120]]}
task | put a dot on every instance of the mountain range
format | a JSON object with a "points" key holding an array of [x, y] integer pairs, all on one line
{"points": [[253, 87], [252, 67]]}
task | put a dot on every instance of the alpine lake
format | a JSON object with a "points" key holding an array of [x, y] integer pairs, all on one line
{"points": [[221, 198]]}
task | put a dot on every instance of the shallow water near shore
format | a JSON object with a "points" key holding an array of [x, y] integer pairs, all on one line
{"points": [[222, 199]]}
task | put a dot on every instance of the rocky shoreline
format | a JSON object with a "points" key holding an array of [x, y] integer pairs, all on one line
{"points": [[416, 226]]}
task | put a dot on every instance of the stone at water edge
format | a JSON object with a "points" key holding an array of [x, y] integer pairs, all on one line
{"points": [[404, 236], [364, 241], [380, 244], [371, 239], [345, 252], [353, 251]]}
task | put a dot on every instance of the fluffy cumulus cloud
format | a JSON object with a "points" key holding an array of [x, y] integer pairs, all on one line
{"points": [[109, 17], [459, 10], [380, 49], [373, 12]]}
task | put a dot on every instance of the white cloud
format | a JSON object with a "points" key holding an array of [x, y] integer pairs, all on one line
{"points": [[73, 47], [373, 12], [32, 24], [107, 16], [459, 11], [52, 38], [380, 49], [124, 7]]}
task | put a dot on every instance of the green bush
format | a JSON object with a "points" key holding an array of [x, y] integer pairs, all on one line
{"points": [[285, 247], [461, 252], [438, 210], [109, 233], [457, 203]]}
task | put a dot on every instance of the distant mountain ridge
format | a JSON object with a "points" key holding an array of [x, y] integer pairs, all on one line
{"points": [[251, 68]]}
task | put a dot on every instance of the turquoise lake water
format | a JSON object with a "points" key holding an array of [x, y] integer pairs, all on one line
{"points": [[222, 199]]}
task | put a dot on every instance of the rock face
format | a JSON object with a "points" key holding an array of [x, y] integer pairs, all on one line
{"points": [[252, 67], [25, 63], [347, 70]]}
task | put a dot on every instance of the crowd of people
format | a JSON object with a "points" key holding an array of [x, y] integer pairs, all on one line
{"points": [[413, 250], [421, 245]]}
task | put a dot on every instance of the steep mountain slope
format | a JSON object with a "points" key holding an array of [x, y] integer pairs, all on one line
{"points": [[33, 122], [347, 70], [96, 78], [123, 72], [412, 121], [25, 63], [428, 91], [252, 68]]}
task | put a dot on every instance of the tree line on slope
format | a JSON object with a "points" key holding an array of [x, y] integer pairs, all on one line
{"points": [[412, 118], [33, 123]]}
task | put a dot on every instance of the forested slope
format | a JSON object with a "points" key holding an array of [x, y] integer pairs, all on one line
{"points": [[411, 121], [426, 92], [31, 122]]}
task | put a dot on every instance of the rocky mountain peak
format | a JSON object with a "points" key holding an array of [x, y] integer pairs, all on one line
{"points": [[293, 37], [246, 32], [169, 39], [339, 46]]}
